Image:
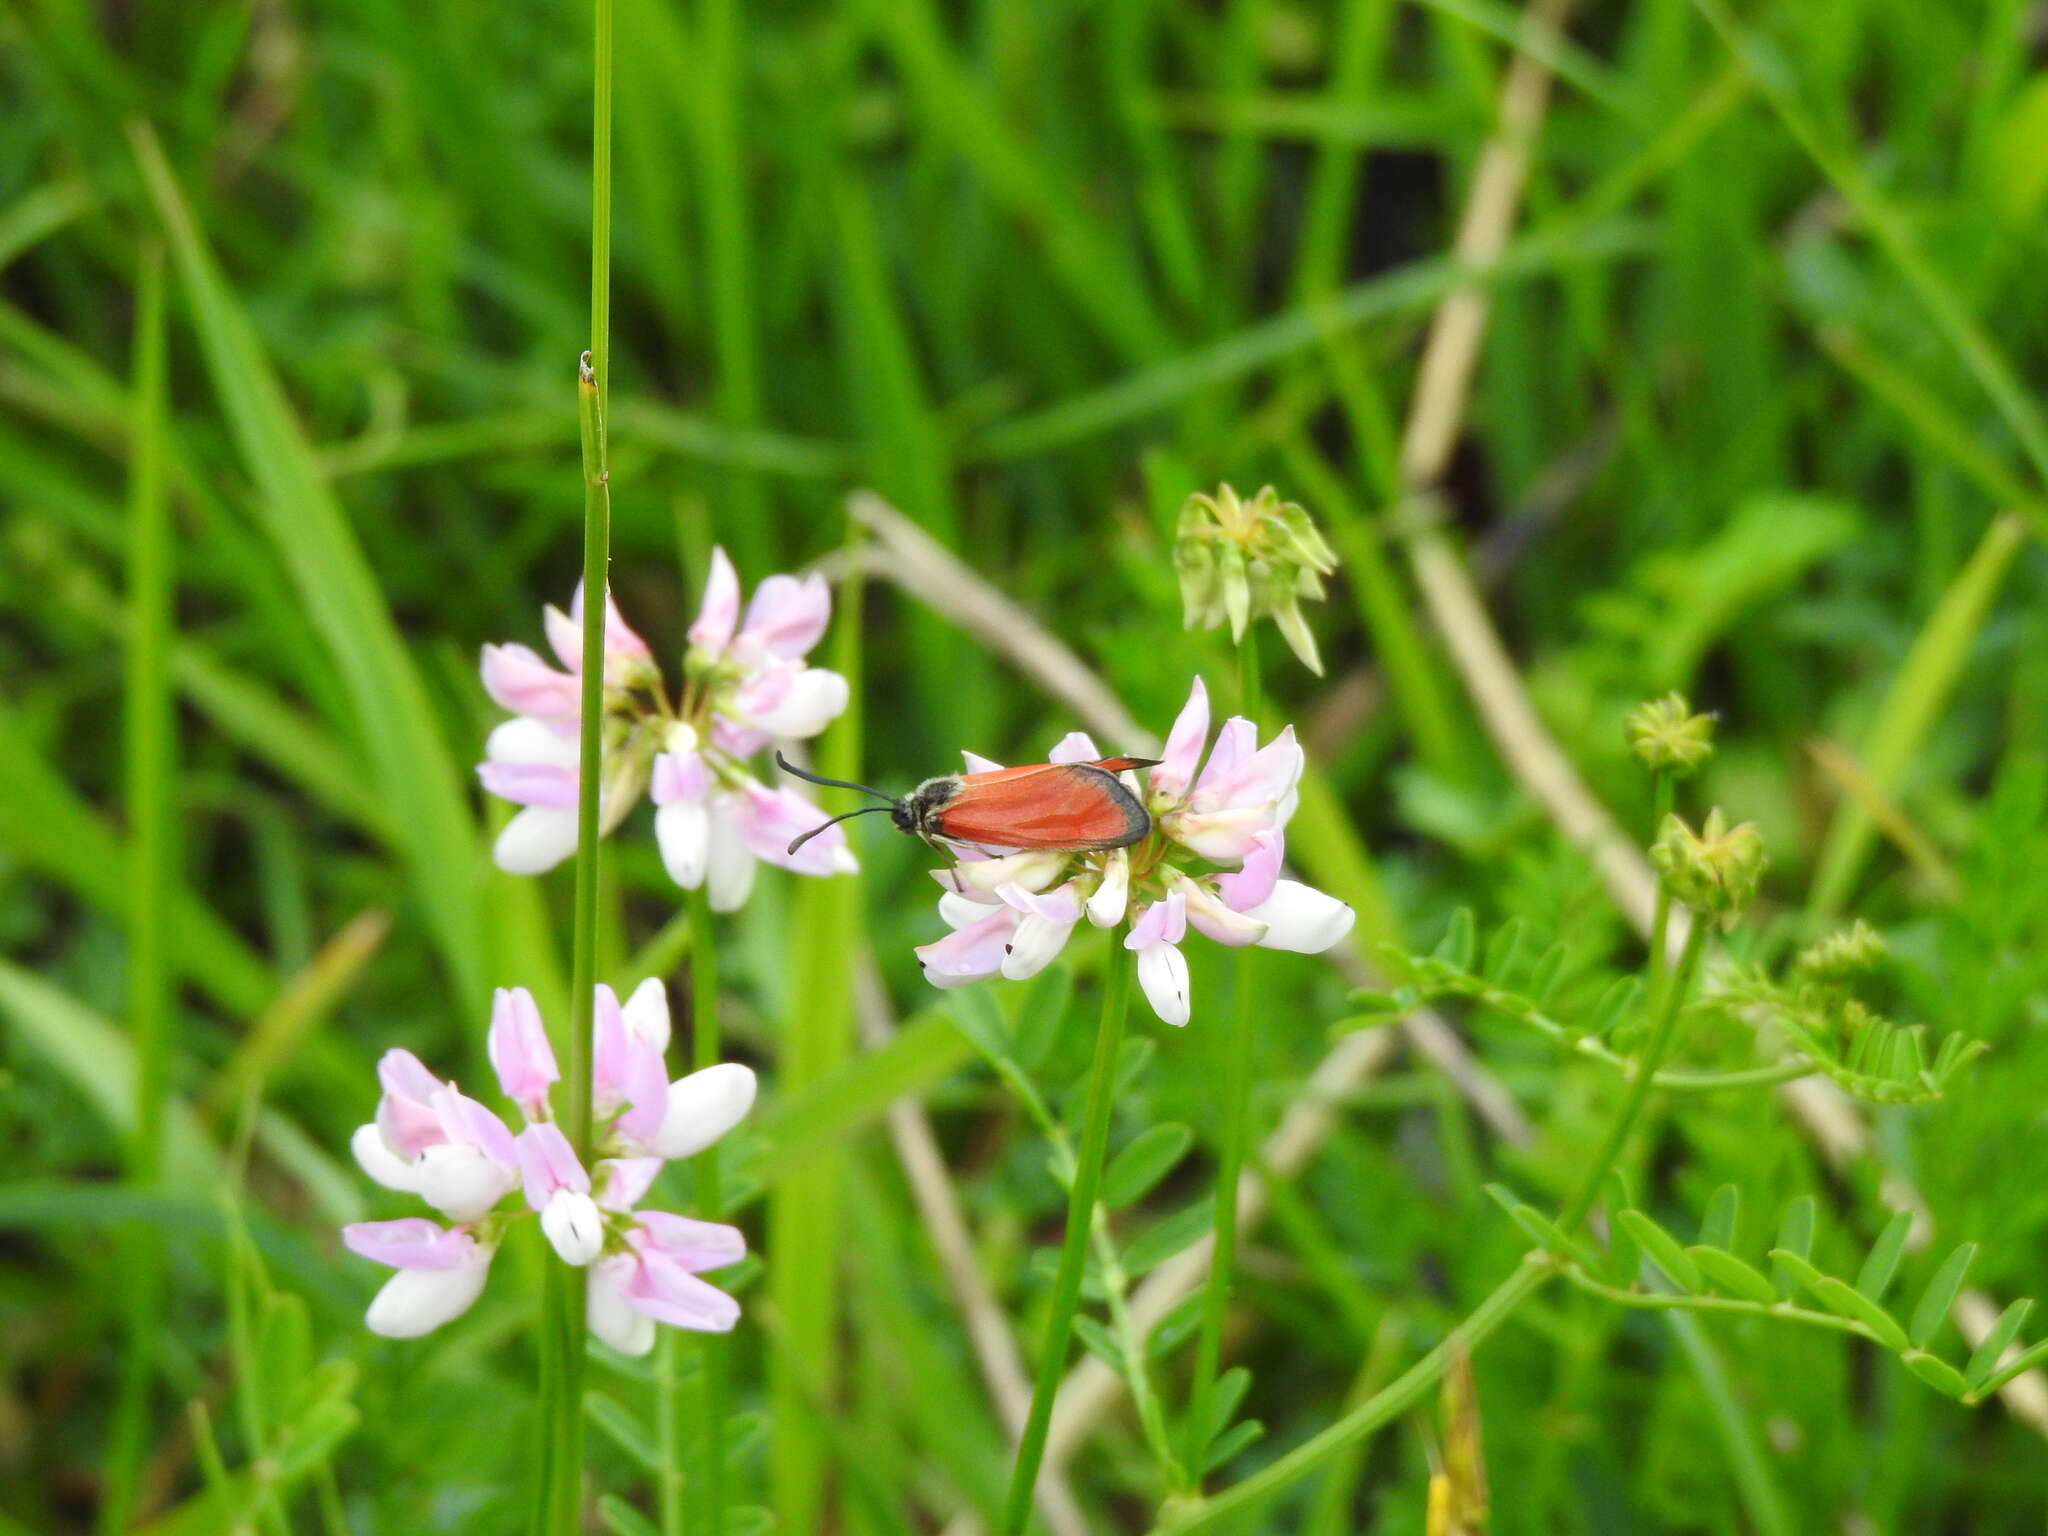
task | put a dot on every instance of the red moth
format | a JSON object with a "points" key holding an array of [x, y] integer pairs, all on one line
{"points": [[1073, 807]]}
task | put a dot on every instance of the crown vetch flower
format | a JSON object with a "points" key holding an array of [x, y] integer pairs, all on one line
{"points": [[431, 1140], [745, 684], [1211, 864]]}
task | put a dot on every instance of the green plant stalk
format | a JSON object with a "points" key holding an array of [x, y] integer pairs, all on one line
{"points": [[806, 1205], [1417, 1380], [592, 392], [150, 770], [1066, 1290], [1664, 793], [1747, 1464], [717, 1362], [1669, 1003], [1234, 1072], [1407, 1390]]}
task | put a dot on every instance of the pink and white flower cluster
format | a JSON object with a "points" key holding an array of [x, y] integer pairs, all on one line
{"points": [[745, 684], [430, 1139], [1211, 863]]}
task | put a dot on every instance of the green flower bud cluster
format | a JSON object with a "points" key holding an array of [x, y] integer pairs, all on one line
{"points": [[1667, 737], [1716, 870], [1856, 948], [1247, 560]]}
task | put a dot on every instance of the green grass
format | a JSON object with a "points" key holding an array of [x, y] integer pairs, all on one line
{"points": [[1754, 418]]}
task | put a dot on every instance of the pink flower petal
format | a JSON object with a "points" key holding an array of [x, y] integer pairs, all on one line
{"points": [[679, 776], [1162, 922], [970, 953], [1264, 778], [1236, 742], [547, 1163], [518, 679], [721, 610], [1059, 905], [787, 616], [625, 1180], [670, 1295], [1074, 747], [413, 1242], [1183, 749], [1247, 887], [530, 784], [467, 1123], [769, 820], [520, 1052], [690, 1244]]}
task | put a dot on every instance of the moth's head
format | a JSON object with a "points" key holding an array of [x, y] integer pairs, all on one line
{"points": [[916, 811]]}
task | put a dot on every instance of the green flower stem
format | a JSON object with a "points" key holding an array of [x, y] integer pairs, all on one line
{"points": [[713, 1379], [1665, 792], [668, 1432], [566, 1486], [1669, 1006], [1235, 1074], [1066, 1291], [150, 766]]}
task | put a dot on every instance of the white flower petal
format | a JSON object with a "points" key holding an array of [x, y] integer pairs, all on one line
{"points": [[417, 1301], [703, 1107], [1035, 945], [573, 1226], [682, 830], [535, 841], [957, 911], [646, 1013], [730, 867], [523, 739], [1027, 871], [375, 1157], [1112, 896], [1302, 919], [462, 1183], [1163, 973], [614, 1319]]}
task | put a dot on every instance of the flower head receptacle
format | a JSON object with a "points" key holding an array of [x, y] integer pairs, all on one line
{"points": [[1667, 737], [1716, 870], [1240, 561]]}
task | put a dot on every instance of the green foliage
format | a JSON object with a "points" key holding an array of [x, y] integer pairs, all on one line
{"points": [[1828, 1030], [1751, 416], [1709, 1277]]}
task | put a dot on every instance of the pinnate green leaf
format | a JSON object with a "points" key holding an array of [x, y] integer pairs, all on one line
{"points": [[1664, 1250], [1883, 1261], [1142, 1164], [1941, 1293], [1984, 1358], [1728, 1273]]}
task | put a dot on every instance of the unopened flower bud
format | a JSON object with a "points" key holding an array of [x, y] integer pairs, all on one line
{"points": [[1667, 737], [1856, 948], [1714, 871], [1243, 561]]}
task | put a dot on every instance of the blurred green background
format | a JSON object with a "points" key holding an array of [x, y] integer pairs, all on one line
{"points": [[1756, 384]]}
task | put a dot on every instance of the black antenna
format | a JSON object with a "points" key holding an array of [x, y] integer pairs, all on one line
{"points": [[866, 810], [811, 778]]}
